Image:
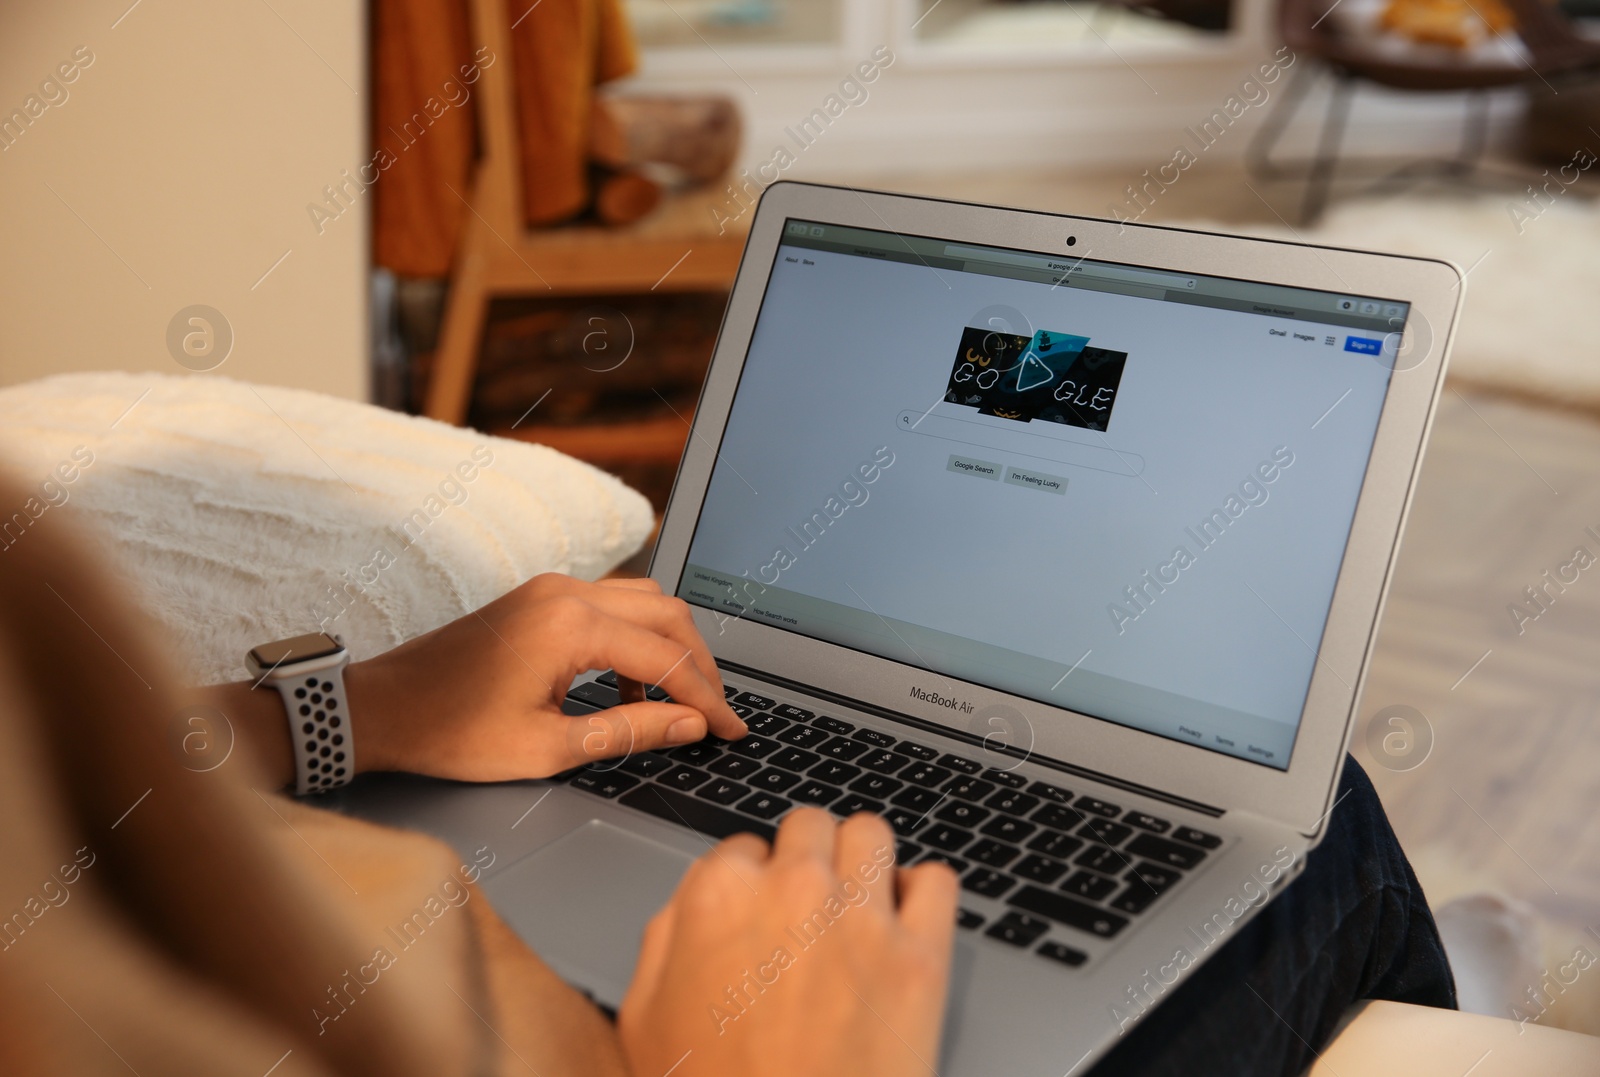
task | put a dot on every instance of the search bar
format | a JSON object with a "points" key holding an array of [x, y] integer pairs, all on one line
{"points": [[1020, 439], [1069, 267]]}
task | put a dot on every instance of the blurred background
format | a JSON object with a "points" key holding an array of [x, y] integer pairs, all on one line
{"points": [[525, 217]]}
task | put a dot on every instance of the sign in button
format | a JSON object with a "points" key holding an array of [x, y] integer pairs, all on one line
{"points": [[1054, 484], [965, 465], [1364, 345]]}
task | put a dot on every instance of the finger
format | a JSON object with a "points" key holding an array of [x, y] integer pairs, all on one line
{"points": [[866, 854], [630, 729], [637, 652], [671, 618], [747, 849], [806, 832], [637, 583], [653, 951], [928, 894]]}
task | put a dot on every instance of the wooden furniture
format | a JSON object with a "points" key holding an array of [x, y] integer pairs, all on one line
{"points": [[679, 247], [1556, 51]]}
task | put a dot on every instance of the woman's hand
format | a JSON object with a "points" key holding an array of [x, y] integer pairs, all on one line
{"points": [[480, 699], [813, 957]]}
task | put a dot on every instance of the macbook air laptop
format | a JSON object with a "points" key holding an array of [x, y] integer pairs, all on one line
{"points": [[1061, 543]]}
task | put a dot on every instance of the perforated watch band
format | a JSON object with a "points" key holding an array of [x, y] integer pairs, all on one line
{"points": [[308, 673]]}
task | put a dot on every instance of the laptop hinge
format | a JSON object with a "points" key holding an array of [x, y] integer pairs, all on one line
{"points": [[971, 738]]}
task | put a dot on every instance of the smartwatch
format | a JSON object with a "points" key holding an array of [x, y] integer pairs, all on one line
{"points": [[308, 672]]}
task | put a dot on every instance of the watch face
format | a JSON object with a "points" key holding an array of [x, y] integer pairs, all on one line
{"points": [[295, 649]]}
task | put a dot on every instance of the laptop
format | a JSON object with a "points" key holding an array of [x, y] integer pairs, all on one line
{"points": [[1060, 542]]}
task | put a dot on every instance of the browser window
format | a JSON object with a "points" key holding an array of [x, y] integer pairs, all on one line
{"points": [[1117, 490]]}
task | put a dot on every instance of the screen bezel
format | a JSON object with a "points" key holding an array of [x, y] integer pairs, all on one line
{"points": [[1298, 795]]}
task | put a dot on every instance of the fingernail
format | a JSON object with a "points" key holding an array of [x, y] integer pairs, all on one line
{"points": [[684, 730]]}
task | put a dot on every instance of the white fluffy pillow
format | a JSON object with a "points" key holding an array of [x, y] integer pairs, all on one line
{"points": [[241, 514]]}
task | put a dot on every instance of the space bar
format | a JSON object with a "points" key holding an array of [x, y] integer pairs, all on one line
{"points": [[696, 814]]}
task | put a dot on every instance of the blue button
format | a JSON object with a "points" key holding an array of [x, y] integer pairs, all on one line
{"points": [[1363, 345]]}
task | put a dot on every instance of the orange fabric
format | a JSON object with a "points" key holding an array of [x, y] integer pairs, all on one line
{"points": [[562, 50], [419, 48]]}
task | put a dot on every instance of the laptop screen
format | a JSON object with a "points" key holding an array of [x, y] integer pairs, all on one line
{"points": [[1112, 489]]}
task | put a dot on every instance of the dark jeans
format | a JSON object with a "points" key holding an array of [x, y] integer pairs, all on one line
{"points": [[1353, 926]]}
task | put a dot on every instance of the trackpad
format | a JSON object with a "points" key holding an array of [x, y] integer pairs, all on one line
{"points": [[582, 902]]}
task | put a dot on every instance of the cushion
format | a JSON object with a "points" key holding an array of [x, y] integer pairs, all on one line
{"points": [[240, 514]]}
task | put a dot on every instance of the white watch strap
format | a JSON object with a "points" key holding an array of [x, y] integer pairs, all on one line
{"points": [[319, 726]]}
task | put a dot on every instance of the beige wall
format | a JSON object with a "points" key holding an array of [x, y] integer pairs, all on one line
{"points": [[176, 171]]}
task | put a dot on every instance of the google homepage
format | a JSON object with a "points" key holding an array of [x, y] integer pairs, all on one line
{"points": [[1127, 506]]}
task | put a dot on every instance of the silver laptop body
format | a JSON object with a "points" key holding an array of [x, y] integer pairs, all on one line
{"points": [[1062, 540]]}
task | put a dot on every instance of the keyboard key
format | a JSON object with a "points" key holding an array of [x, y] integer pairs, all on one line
{"points": [[973, 789], [917, 751], [1058, 951], [729, 690], [608, 678], [795, 759], [1045, 791], [1145, 821], [699, 754], [1057, 817], [794, 714], [1086, 884], [684, 777], [1007, 828], [646, 765], [968, 920], [926, 774], [750, 699], [768, 725], [1017, 929], [1054, 843], [1069, 911], [753, 746], [874, 737], [734, 766], [959, 764], [812, 791], [957, 864], [905, 823], [834, 772], [1166, 852], [1152, 877], [961, 813], [741, 710], [698, 815], [1098, 807], [1040, 869], [986, 882], [1197, 837], [722, 791], [600, 695], [1009, 800], [840, 748], [906, 852], [854, 804], [773, 780], [832, 725], [945, 838], [1008, 778], [875, 785], [1106, 861], [883, 761], [918, 800], [803, 736], [997, 854], [1134, 899], [765, 805], [1106, 831], [604, 783]]}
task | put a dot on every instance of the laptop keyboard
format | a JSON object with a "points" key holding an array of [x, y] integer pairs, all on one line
{"points": [[1056, 860]]}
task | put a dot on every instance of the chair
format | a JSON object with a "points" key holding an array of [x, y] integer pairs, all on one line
{"points": [[1555, 51]]}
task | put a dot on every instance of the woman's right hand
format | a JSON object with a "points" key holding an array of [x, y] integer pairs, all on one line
{"points": [[812, 956]]}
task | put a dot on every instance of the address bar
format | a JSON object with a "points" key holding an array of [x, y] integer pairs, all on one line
{"points": [[1069, 266]]}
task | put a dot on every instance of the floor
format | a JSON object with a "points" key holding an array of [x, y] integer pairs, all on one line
{"points": [[1506, 797]]}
